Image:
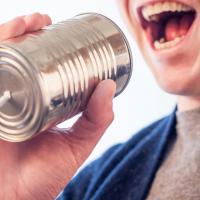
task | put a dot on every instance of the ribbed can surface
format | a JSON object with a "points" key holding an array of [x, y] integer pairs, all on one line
{"points": [[48, 76]]}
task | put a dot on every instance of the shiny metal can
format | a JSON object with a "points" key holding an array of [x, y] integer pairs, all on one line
{"points": [[48, 76]]}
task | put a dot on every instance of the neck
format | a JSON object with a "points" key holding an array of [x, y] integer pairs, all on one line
{"points": [[188, 103]]}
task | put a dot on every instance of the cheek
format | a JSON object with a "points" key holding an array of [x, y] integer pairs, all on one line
{"points": [[134, 25]]}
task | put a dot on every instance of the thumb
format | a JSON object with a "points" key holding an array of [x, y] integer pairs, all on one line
{"points": [[98, 115]]}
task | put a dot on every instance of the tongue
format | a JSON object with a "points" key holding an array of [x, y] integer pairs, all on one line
{"points": [[172, 29], [177, 27]]}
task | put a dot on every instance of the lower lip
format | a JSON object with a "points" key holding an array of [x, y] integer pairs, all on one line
{"points": [[176, 48]]}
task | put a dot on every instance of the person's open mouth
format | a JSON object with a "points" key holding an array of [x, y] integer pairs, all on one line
{"points": [[166, 23]]}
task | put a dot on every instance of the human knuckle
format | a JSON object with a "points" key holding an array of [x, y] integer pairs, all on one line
{"points": [[107, 119], [47, 20], [19, 22], [14, 25], [46, 16], [37, 15], [37, 18], [111, 116]]}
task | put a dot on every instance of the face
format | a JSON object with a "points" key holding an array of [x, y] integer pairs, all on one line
{"points": [[168, 35]]}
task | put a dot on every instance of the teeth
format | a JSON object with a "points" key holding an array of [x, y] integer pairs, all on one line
{"points": [[166, 6], [173, 6], [150, 11], [162, 40], [159, 45], [154, 18]]}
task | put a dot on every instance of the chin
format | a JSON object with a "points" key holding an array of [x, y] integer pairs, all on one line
{"points": [[179, 86]]}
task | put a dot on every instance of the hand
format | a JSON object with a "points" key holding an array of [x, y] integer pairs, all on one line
{"points": [[40, 168]]}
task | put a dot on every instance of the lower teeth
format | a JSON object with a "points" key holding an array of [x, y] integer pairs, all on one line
{"points": [[161, 44]]}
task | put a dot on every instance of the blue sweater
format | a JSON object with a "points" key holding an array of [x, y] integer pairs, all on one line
{"points": [[126, 171]]}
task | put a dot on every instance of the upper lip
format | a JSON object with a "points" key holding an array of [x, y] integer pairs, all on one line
{"points": [[146, 2]]}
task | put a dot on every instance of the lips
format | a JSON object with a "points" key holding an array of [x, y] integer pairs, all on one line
{"points": [[166, 23]]}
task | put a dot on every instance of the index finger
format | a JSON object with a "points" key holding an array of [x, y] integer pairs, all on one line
{"points": [[12, 28]]}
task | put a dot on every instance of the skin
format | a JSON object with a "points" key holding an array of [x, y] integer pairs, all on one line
{"points": [[177, 72], [41, 168]]}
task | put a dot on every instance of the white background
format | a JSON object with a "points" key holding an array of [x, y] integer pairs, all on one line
{"points": [[141, 103]]}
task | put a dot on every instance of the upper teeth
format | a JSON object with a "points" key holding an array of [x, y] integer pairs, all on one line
{"points": [[149, 12]]}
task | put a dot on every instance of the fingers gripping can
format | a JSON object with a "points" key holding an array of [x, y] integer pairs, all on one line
{"points": [[48, 76]]}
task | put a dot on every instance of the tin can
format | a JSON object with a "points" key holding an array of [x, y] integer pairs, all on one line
{"points": [[48, 76]]}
